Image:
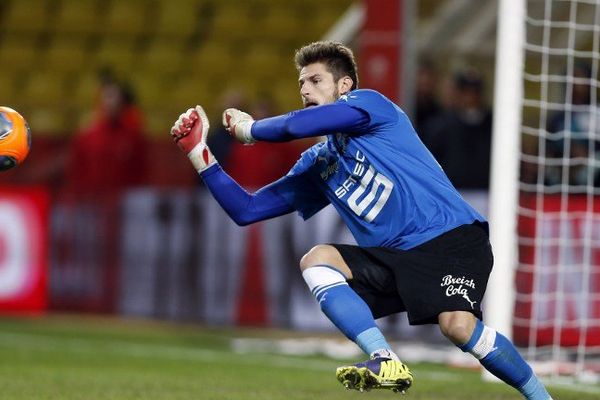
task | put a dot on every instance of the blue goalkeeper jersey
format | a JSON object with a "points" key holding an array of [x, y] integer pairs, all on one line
{"points": [[385, 184]]}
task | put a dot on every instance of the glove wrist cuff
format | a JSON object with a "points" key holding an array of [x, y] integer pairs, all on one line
{"points": [[245, 133], [201, 157]]}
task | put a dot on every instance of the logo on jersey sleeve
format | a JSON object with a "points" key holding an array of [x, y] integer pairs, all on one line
{"points": [[368, 190], [345, 97]]}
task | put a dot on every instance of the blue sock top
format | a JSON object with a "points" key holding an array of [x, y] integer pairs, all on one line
{"points": [[474, 337]]}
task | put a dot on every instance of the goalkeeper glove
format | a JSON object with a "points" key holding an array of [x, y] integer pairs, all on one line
{"points": [[190, 132], [239, 125]]}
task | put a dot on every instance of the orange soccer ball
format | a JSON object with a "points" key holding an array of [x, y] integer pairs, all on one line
{"points": [[15, 138]]}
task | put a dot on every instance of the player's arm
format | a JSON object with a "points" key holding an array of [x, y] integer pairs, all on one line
{"points": [[308, 122], [245, 208], [190, 132]]}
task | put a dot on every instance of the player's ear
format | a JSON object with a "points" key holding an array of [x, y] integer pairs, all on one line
{"points": [[345, 85]]}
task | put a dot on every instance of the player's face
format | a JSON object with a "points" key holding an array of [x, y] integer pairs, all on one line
{"points": [[318, 87]]}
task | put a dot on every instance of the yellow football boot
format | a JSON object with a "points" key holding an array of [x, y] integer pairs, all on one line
{"points": [[377, 373]]}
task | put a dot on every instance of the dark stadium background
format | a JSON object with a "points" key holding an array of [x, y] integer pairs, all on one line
{"points": [[111, 251]]}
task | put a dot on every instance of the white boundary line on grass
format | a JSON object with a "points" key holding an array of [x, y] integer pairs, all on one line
{"points": [[113, 347]]}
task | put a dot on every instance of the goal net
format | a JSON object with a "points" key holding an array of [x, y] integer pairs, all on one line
{"points": [[548, 275]]}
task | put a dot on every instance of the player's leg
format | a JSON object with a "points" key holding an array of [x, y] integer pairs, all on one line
{"points": [[493, 350], [326, 274]]}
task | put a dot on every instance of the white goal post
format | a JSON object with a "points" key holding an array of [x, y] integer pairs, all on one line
{"points": [[544, 214], [504, 172]]}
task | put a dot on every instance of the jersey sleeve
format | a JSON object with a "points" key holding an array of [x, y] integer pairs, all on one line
{"points": [[299, 187], [244, 208], [380, 109], [309, 122]]}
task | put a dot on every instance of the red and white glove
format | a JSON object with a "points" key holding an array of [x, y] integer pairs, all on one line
{"points": [[190, 132], [239, 125]]}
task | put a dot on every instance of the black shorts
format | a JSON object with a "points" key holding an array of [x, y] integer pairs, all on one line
{"points": [[447, 273]]}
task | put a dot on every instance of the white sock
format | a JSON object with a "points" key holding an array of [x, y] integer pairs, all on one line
{"points": [[385, 353]]}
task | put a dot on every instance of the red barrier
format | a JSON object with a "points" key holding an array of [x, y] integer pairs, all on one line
{"points": [[558, 277], [23, 249]]}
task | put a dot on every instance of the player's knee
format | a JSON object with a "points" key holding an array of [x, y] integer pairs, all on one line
{"points": [[321, 254], [457, 326], [324, 254]]}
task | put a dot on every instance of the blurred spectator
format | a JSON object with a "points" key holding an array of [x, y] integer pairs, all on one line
{"points": [[109, 153], [574, 130], [427, 105], [105, 157], [460, 137]]}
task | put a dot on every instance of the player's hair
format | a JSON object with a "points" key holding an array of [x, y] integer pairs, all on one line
{"points": [[338, 59]]}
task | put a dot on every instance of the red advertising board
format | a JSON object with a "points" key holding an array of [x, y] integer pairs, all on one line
{"points": [[558, 277], [23, 249], [381, 47]]}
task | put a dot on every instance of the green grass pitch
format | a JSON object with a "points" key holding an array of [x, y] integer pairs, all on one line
{"points": [[74, 357]]}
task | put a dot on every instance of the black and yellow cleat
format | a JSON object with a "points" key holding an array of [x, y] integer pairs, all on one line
{"points": [[377, 373]]}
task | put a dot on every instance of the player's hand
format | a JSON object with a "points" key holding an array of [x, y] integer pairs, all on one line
{"points": [[190, 132], [239, 125]]}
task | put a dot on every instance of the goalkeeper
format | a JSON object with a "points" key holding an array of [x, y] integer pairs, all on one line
{"points": [[421, 248]]}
